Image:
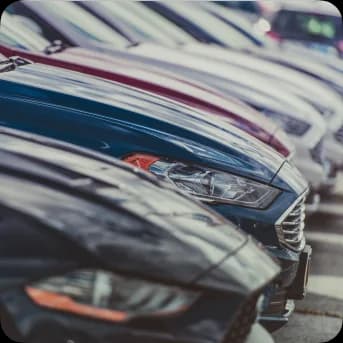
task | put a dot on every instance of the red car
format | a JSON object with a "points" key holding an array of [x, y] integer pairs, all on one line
{"points": [[193, 94]]}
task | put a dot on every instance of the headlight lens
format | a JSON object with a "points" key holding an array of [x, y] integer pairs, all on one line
{"points": [[108, 296], [209, 185], [290, 125]]}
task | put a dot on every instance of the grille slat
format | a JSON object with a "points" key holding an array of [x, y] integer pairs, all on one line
{"points": [[291, 226]]}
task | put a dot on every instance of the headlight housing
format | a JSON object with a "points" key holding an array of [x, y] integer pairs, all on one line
{"points": [[208, 185], [108, 296], [290, 125]]}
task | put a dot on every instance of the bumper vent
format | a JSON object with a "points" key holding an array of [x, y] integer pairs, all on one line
{"points": [[290, 227], [245, 319], [339, 135]]}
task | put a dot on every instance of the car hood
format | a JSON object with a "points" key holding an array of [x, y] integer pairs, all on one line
{"points": [[242, 270], [199, 135], [296, 82], [131, 188], [227, 76], [169, 247], [194, 93], [307, 64]]}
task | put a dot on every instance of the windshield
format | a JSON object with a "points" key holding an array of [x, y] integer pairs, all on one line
{"points": [[15, 34], [83, 22], [246, 6], [308, 26], [238, 22], [209, 23], [146, 22]]}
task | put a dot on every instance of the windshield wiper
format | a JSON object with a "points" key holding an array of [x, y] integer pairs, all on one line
{"points": [[12, 63], [55, 47]]}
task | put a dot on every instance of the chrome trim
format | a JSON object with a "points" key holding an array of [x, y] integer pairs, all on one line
{"points": [[290, 226]]}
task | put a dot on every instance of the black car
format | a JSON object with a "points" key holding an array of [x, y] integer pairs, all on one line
{"points": [[93, 250]]}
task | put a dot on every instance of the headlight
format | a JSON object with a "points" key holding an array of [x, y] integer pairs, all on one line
{"points": [[108, 296], [290, 125], [209, 185]]}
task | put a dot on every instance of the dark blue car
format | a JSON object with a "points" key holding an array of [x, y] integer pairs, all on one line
{"points": [[229, 170]]}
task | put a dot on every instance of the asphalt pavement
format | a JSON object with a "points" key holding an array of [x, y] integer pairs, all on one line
{"points": [[319, 317]]}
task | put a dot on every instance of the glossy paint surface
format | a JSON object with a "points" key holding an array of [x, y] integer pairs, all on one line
{"points": [[165, 84], [119, 121], [154, 117], [55, 208]]}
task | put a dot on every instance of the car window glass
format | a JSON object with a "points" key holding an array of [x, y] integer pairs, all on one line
{"points": [[208, 22], [247, 6], [138, 23], [13, 33], [158, 25], [83, 22], [246, 27], [6, 39]]}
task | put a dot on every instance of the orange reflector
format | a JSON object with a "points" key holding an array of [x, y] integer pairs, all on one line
{"points": [[141, 161], [64, 303]]}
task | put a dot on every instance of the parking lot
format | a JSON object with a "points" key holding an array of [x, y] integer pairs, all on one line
{"points": [[319, 317]]}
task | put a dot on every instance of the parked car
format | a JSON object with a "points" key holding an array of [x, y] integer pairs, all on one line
{"points": [[190, 150], [154, 28], [82, 241], [195, 94], [301, 121], [285, 52], [234, 81], [327, 101], [150, 25], [321, 172], [315, 25], [79, 28], [297, 82], [203, 26]]}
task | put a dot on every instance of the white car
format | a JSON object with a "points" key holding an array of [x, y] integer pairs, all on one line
{"points": [[299, 119]]}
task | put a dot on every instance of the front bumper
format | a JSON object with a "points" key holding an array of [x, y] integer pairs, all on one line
{"points": [[268, 230], [279, 299], [298, 289]]}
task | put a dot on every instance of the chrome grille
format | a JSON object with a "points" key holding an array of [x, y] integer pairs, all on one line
{"points": [[290, 227], [339, 135]]}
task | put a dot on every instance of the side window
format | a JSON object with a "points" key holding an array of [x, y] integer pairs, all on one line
{"points": [[7, 41], [29, 19]]}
